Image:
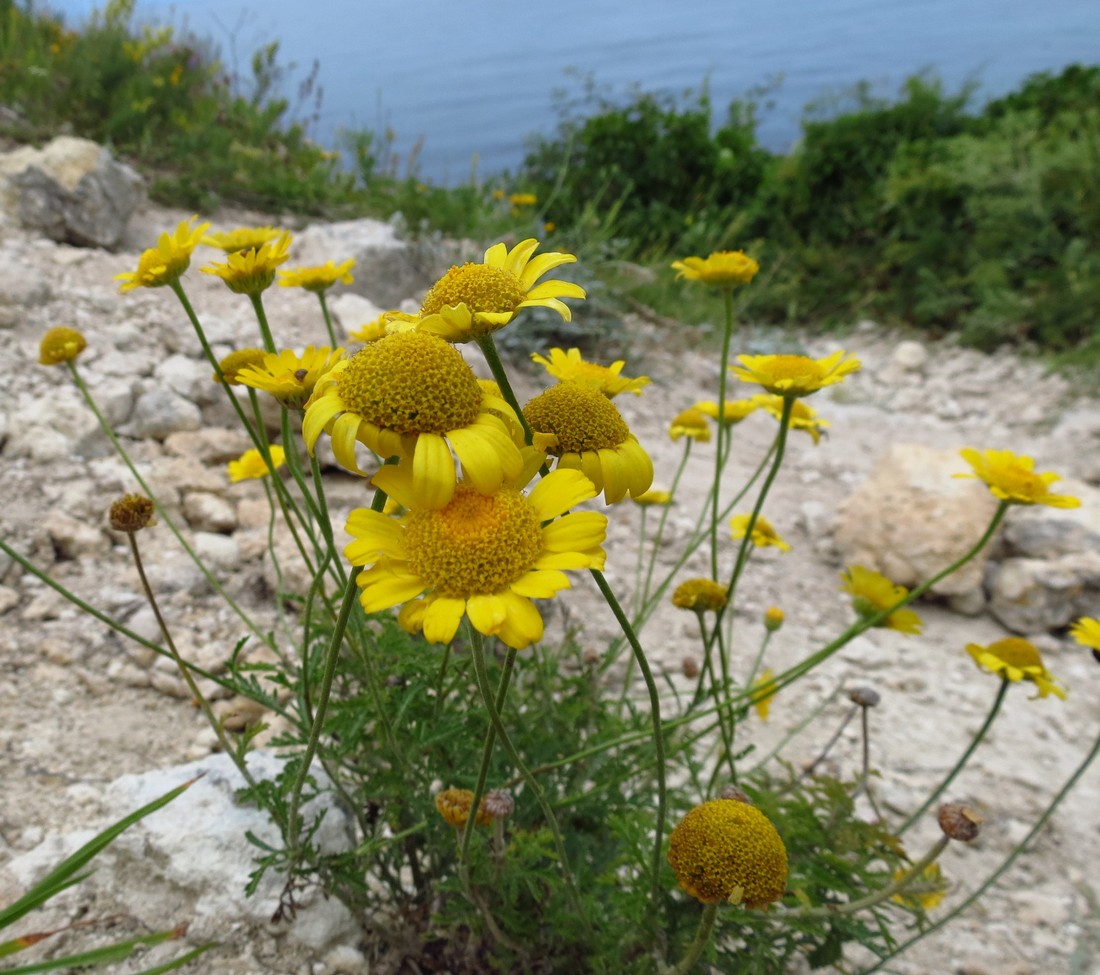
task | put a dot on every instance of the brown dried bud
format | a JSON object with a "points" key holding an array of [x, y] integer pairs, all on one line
{"points": [[591, 657], [732, 792], [498, 803], [131, 513], [865, 697], [690, 667], [959, 822]]}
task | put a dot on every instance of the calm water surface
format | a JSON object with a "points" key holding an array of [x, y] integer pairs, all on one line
{"points": [[472, 78]]}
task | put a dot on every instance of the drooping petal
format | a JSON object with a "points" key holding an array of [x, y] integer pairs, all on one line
{"points": [[540, 583], [390, 590], [344, 438], [374, 534], [442, 618], [576, 532], [522, 624], [559, 491], [317, 418], [487, 613], [397, 481], [433, 471]]}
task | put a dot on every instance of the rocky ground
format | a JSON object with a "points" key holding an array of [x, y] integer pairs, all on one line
{"points": [[80, 707]]}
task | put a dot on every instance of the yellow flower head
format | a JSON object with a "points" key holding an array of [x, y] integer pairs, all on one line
{"points": [[241, 239], [802, 417], [872, 592], [791, 376], [250, 272], [131, 513], [763, 691], [289, 376], [571, 366], [700, 595], [232, 364], [691, 424], [722, 269], [476, 299], [923, 893], [165, 263], [318, 278], [523, 200], [735, 410], [773, 618], [763, 533], [454, 806], [1016, 659], [582, 428], [482, 555], [388, 321], [59, 345], [652, 498], [727, 850], [1012, 478], [1086, 631], [251, 464], [411, 395]]}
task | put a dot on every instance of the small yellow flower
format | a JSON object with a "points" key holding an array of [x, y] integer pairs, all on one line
{"points": [[1012, 478], [477, 299], [232, 364], [726, 850], [607, 379], [1086, 631], [872, 592], [763, 534], [241, 239], [289, 376], [652, 497], [922, 893], [773, 618], [251, 271], [791, 376], [1016, 659], [164, 264], [735, 410], [549, 227], [251, 464], [763, 691], [318, 278], [388, 321], [59, 345], [691, 424], [523, 200], [802, 417], [583, 429], [454, 806], [722, 269], [700, 595]]}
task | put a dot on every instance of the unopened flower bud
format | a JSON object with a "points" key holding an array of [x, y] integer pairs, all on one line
{"points": [[690, 667], [773, 618], [732, 792], [131, 513], [865, 697], [959, 822], [61, 345]]}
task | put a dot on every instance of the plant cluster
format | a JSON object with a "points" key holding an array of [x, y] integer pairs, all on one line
{"points": [[592, 830]]}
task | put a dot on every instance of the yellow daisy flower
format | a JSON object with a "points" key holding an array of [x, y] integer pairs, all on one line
{"points": [[727, 850], [582, 428], [791, 376], [59, 345], [736, 410], [1012, 478], [762, 696], [572, 366], [251, 464], [1016, 659], [251, 271], [162, 265], [691, 423], [290, 376], [318, 278], [763, 533], [477, 299], [700, 595], [803, 417], [722, 269], [411, 395], [241, 239], [482, 555], [233, 363], [872, 592], [1086, 631], [523, 200], [388, 321], [924, 893]]}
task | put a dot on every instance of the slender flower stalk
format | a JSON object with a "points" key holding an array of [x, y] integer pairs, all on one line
{"points": [[702, 936]]}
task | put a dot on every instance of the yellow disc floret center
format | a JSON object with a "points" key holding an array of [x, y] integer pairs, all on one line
{"points": [[1017, 653], [477, 545], [411, 382], [581, 417], [799, 370], [479, 287]]}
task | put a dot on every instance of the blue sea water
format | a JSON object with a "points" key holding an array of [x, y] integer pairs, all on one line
{"points": [[468, 80]]}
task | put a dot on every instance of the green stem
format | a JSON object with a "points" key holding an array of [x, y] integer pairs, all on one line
{"points": [[719, 439], [960, 764], [702, 936], [665, 509], [328, 319], [496, 367], [658, 734], [261, 317]]}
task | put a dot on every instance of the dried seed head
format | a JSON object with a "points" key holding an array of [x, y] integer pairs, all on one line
{"points": [[959, 822], [865, 697], [131, 513], [690, 667], [499, 803], [732, 792]]}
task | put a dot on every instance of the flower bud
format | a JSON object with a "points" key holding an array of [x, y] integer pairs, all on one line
{"points": [[865, 697], [773, 618], [61, 345]]}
